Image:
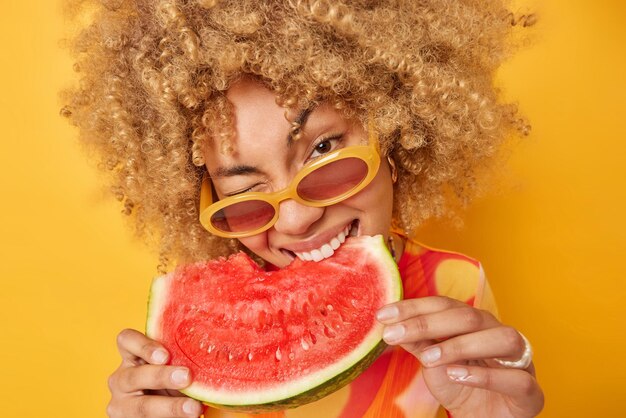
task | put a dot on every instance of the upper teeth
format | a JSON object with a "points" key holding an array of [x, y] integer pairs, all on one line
{"points": [[327, 249]]}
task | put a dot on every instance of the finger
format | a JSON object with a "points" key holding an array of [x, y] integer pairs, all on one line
{"points": [[136, 348], [154, 407], [408, 308], [521, 387], [148, 376], [439, 325], [499, 342]]}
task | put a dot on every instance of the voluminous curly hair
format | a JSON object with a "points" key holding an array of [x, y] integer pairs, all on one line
{"points": [[154, 73]]}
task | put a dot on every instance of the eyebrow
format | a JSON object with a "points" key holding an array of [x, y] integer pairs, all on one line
{"points": [[236, 170], [300, 120]]}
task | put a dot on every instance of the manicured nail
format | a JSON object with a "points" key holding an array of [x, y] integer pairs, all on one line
{"points": [[431, 355], [191, 407], [159, 356], [393, 333], [458, 374], [180, 376], [387, 313]]}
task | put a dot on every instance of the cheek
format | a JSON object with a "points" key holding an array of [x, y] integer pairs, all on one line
{"points": [[257, 244], [380, 190], [376, 200]]}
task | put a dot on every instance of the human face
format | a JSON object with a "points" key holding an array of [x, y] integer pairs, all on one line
{"points": [[266, 160]]}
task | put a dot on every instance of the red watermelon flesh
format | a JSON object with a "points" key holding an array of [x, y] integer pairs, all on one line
{"points": [[257, 340]]}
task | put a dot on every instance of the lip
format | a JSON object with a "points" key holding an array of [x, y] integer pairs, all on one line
{"points": [[316, 241]]}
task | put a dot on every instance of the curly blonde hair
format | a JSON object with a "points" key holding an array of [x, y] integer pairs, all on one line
{"points": [[154, 73]]}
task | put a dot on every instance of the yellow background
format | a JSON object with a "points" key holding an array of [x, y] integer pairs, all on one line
{"points": [[553, 244]]}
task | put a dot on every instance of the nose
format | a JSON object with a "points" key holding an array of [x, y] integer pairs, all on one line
{"points": [[295, 218]]}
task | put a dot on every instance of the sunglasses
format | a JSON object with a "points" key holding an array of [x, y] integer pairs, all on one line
{"points": [[324, 181]]}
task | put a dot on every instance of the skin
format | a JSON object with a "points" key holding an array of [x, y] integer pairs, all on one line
{"points": [[261, 142], [463, 379]]}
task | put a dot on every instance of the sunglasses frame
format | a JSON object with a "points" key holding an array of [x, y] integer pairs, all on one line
{"points": [[369, 154]]}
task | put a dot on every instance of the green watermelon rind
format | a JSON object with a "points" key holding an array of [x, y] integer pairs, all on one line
{"points": [[292, 395], [312, 394]]}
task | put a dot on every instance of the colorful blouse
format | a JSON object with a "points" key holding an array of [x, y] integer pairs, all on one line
{"points": [[393, 386]]}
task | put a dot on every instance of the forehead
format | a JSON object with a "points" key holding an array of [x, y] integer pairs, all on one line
{"points": [[262, 127], [254, 106], [258, 124]]}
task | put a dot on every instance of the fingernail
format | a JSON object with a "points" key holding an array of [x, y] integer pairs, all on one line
{"points": [[159, 356], [458, 374], [387, 313], [393, 333], [430, 356], [191, 407], [180, 376]]}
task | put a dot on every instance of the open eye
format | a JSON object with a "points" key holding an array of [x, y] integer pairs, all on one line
{"points": [[325, 146]]}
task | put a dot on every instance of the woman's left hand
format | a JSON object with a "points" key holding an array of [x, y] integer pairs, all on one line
{"points": [[457, 345]]}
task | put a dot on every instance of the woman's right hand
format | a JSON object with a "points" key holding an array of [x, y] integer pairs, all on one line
{"points": [[143, 386]]}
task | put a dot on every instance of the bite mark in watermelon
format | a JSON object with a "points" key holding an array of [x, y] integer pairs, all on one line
{"points": [[260, 341]]}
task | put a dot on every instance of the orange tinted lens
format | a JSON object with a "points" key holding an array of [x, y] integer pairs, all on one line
{"points": [[243, 216], [333, 179]]}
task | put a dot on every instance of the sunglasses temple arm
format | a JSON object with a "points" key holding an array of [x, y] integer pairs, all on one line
{"points": [[206, 193]]}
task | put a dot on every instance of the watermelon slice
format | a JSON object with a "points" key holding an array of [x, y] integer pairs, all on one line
{"points": [[259, 341]]}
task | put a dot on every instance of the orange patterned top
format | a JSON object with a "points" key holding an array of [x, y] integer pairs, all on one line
{"points": [[393, 386]]}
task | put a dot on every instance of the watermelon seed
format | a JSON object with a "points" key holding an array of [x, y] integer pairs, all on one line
{"points": [[250, 356], [329, 307], [329, 332], [292, 356], [211, 348], [230, 356], [354, 303], [304, 344], [262, 319], [279, 355]]}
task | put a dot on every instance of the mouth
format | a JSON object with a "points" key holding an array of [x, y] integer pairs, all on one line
{"points": [[328, 249]]}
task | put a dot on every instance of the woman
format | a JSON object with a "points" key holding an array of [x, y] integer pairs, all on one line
{"points": [[251, 93]]}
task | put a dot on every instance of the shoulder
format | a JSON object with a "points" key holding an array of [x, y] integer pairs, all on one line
{"points": [[427, 271]]}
